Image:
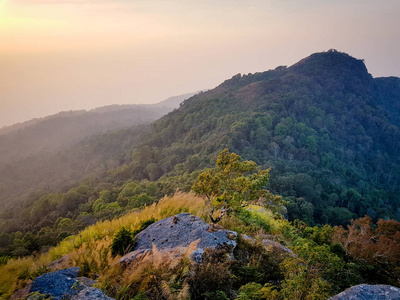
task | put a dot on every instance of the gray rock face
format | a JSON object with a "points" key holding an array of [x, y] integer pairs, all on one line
{"points": [[64, 284], [178, 232], [91, 293], [57, 284], [369, 292]]}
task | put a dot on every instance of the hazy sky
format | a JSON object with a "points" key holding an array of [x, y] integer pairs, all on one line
{"points": [[78, 54]]}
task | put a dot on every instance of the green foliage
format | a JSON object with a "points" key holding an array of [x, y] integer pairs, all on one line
{"points": [[233, 182], [217, 295], [255, 264], [212, 276], [4, 259], [140, 296], [39, 296], [255, 291], [123, 242], [143, 225]]}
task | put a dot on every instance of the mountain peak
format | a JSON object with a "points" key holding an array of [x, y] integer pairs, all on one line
{"points": [[332, 61]]}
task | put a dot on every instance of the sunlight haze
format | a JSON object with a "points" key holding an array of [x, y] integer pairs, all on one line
{"points": [[58, 55]]}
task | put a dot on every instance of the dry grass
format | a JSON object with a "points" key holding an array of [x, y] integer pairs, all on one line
{"points": [[163, 275], [160, 273], [88, 248]]}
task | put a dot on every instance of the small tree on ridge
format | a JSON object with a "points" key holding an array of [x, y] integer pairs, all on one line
{"points": [[233, 183]]}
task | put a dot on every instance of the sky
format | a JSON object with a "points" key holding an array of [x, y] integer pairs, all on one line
{"points": [[60, 55]]}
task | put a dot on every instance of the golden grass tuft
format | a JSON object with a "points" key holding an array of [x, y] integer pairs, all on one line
{"points": [[157, 273]]}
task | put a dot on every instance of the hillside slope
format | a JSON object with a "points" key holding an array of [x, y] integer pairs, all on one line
{"points": [[58, 150]]}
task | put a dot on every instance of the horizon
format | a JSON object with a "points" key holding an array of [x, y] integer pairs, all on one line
{"points": [[68, 55]]}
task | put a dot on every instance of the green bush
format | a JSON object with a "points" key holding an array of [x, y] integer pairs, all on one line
{"points": [[123, 242], [217, 295], [250, 291]]}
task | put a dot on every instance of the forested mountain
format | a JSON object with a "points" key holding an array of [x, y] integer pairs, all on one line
{"points": [[57, 150], [327, 129], [325, 126]]}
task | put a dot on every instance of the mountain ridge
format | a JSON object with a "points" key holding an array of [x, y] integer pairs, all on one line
{"points": [[31, 146]]}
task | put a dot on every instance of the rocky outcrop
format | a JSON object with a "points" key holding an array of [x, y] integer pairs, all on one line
{"points": [[177, 233], [64, 284], [369, 292]]}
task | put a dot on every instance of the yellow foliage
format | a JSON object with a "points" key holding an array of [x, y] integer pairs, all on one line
{"points": [[277, 226]]}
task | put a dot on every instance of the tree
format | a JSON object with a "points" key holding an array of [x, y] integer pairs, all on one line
{"points": [[232, 183], [378, 244]]}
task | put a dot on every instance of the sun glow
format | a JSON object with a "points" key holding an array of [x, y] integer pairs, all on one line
{"points": [[62, 50], [2, 5]]}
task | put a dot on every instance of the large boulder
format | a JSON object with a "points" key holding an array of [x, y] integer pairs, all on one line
{"points": [[175, 234], [369, 292], [64, 284]]}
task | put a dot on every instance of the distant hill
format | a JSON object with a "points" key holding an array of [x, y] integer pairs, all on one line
{"points": [[65, 128], [27, 148]]}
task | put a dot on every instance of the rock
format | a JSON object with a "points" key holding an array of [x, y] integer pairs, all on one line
{"points": [[369, 292], [59, 284], [86, 281], [70, 272], [64, 284], [178, 232], [91, 293], [21, 293], [197, 255], [269, 244], [277, 247], [59, 263]]}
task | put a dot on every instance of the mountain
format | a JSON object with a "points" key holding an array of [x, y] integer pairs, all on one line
{"points": [[34, 154], [327, 129], [325, 126]]}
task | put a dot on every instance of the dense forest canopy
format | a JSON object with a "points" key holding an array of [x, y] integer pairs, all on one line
{"points": [[328, 130]]}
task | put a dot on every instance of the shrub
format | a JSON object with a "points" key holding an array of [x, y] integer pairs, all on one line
{"points": [[124, 239], [211, 277], [250, 291], [123, 242], [143, 225]]}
